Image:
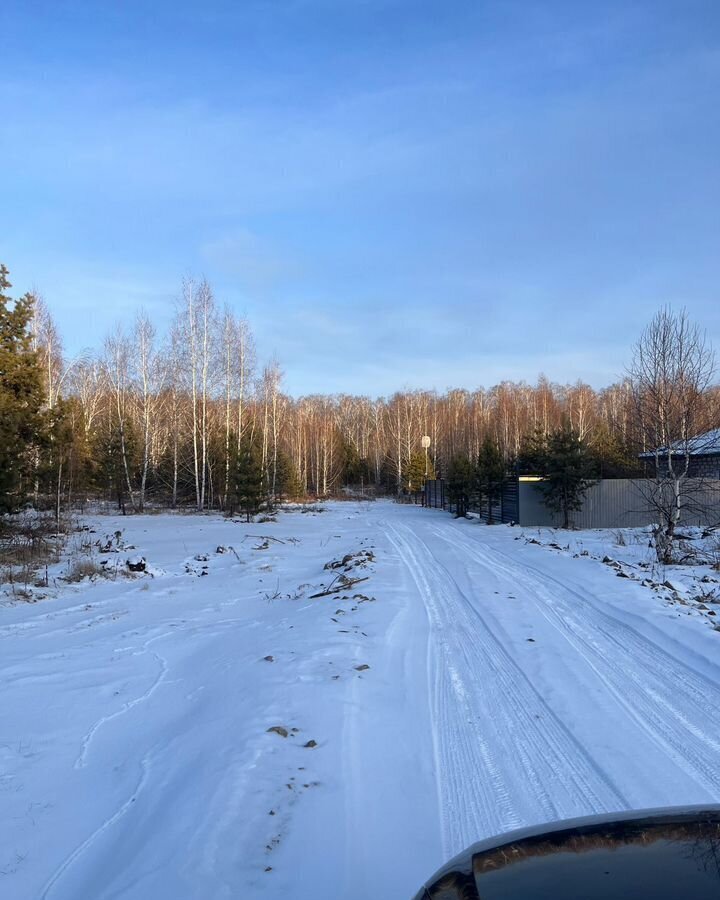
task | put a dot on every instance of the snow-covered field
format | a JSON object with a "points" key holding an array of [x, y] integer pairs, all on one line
{"points": [[473, 683]]}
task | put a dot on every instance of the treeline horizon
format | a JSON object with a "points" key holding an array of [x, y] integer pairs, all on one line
{"points": [[180, 419]]}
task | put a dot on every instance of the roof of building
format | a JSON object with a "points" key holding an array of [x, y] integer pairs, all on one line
{"points": [[707, 444]]}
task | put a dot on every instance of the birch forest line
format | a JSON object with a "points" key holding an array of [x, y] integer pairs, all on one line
{"points": [[174, 419]]}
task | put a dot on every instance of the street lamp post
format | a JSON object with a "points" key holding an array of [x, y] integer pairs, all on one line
{"points": [[425, 442]]}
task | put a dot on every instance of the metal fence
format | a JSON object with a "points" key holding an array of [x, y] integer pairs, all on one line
{"points": [[435, 494], [609, 503], [622, 503], [505, 507]]}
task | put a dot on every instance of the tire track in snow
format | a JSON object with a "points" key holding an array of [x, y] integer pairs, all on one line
{"points": [[214, 628], [504, 758], [82, 848], [86, 742], [669, 701], [460, 805]]}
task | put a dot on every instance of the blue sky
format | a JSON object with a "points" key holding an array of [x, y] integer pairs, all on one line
{"points": [[423, 194]]}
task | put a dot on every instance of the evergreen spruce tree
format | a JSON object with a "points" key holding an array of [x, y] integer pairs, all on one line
{"points": [[287, 481], [490, 474], [414, 473], [107, 453], [568, 470], [533, 453], [21, 397], [613, 456], [460, 483], [248, 491], [354, 469]]}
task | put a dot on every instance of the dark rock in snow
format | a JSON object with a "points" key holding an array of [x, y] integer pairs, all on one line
{"points": [[675, 586], [278, 729]]}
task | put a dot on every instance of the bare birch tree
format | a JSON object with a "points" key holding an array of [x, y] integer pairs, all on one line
{"points": [[48, 345], [116, 364], [228, 339], [149, 377], [175, 357], [672, 368], [272, 412], [196, 324]]}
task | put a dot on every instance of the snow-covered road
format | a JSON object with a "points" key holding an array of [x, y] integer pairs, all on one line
{"points": [[505, 685]]}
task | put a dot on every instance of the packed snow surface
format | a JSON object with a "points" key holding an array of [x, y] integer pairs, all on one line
{"points": [[471, 684]]}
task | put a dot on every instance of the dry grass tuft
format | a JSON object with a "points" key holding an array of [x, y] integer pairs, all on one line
{"points": [[81, 568], [29, 543]]}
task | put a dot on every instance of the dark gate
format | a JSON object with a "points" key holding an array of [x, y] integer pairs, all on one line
{"points": [[510, 501], [435, 494]]}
